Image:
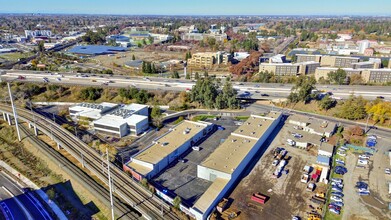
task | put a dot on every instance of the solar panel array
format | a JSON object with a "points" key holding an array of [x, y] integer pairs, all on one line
{"points": [[124, 113], [91, 106]]}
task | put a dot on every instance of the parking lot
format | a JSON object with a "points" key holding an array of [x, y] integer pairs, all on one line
{"points": [[288, 195], [181, 177], [375, 205]]}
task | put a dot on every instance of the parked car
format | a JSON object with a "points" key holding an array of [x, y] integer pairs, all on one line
{"points": [[365, 193], [335, 211], [387, 171], [340, 162], [291, 142], [362, 162], [343, 148], [337, 194], [336, 189], [335, 207], [340, 185], [340, 204], [336, 198], [337, 180], [275, 162], [298, 127], [342, 154], [364, 157], [361, 185]]}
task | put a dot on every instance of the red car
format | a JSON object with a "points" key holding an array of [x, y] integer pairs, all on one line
{"points": [[335, 207], [21, 77]]}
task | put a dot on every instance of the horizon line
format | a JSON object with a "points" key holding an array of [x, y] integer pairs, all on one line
{"points": [[198, 15]]}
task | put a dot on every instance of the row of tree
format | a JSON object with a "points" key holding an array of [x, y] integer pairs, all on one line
{"points": [[207, 93], [149, 67]]}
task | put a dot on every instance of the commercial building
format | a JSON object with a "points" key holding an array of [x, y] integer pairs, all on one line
{"points": [[226, 164], [201, 36], [279, 58], [167, 149], [341, 62], [314, 126], [161, 37], [119, 39], [308, 57], [322, 72], [129, 119], [91, 111], [326, 149], [389, 64], [366, 65], [363, 45]]}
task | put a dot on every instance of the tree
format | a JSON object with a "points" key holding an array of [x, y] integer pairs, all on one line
{"points": [[175, 75], [355, 79], [41, 46], [380, 111], [337, 77], [196, 76], [133, 57], [353, 108], [177, 202], [302, 90], [155, 112], [326, 103]]}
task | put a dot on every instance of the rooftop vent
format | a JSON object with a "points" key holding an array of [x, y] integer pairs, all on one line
{"points": [[233, 140], [259, 125], [253, 132], [240, 131], [164, 144], [225, 166]]}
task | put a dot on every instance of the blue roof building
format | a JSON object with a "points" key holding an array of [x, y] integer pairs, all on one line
{"points": [[323, 160], [94, 50]]}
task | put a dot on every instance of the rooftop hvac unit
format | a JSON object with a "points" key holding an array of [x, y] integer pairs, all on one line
{"points": [[259, 125], [248, 123], [253, 132], [233, 140]]}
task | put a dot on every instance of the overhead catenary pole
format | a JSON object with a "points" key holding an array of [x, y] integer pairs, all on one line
{"points": [[14, 111], [110, 186]]}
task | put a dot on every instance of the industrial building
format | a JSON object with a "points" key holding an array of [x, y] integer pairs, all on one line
{"points": [[129, 119], [314, 126], [167, 149], [225, 165], [91, 111]]}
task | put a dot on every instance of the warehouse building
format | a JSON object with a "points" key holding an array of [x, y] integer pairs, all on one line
{"points": [[225, 165], [130, 119], [91, 111], [167, 149], [314, 126]]}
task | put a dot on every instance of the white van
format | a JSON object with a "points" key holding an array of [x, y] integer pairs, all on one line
{"points": [[291, 142]]}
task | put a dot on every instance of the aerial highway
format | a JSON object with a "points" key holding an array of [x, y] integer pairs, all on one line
{"points": [[17, 204], [131, 192], [255, 90]]}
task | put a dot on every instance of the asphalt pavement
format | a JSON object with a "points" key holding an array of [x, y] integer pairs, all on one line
{"points": [[20, 205]]}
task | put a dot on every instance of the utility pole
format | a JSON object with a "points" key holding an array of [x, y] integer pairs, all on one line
{"points": [[366, 125], [14, 111], [110, 186]]}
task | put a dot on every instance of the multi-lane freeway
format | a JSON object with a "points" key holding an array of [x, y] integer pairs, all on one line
{"points": [[255, 90], [131, 192], [17, 204]]}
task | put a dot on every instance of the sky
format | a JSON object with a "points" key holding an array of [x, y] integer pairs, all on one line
{"points": [[200, 7]]}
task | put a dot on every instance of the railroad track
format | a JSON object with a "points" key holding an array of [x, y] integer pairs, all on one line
{"points": [[100, 192], [124, 186]]}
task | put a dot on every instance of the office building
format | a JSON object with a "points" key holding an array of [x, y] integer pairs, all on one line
{"points": [[313, 125], [167, 149], [289, 69], [225, 165], [206, 59], [363, 45], [376, 75], [130, 119], [366, 65], [279, 58], [308, 57], [90, 111], [123, 41], [389, 64], [340, 62], [322, 72], [308, 67]]}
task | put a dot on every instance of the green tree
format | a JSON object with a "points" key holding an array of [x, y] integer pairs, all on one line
{"points": [[155, 112], [177, 202], [133, 57], [353, 108], [196, 76], [302, 90], [41, 46], [142, 97], [326, 103], [175, 75], [337, 77]]}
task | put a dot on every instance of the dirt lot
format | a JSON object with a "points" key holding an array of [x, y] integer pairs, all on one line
{"points": [[288, 196]]}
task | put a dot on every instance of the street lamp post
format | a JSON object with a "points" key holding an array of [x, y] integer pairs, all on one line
{"points": [[110, 185], [14, 111]]}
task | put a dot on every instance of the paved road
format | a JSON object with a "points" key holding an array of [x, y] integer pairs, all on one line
{"points": [[256, 90], [21, 205]]}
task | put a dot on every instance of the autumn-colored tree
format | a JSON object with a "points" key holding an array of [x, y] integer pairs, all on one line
{"points": [[356, 130], [380, 111], [247, 65]]}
